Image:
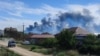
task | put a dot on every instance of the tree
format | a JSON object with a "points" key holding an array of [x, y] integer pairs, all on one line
{"points": [[90, 39], [49, 42], [66, 39], [98, 36], [90, 44], [12, 32]]}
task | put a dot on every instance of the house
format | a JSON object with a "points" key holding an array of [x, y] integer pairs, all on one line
{"points": [[38, 38], [79, 33]]}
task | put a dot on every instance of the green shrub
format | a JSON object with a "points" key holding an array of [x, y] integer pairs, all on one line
{"points": [[35, 47], [32, 48], [61, 54], [50, 42]]}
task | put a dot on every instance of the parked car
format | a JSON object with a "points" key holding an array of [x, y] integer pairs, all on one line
{"points": [[11, 43], [25, 42]]}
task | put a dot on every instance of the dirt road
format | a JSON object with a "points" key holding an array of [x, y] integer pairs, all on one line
{"points": [[21, 51]]}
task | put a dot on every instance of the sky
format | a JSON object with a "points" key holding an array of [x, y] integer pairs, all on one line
{"points": [[15, 13]]}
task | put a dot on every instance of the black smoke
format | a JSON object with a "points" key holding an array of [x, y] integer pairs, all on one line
{"points": [[62, 20]]}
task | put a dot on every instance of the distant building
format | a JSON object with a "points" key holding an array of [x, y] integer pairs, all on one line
{"points": [[10, 29], [38, 38], [1, 33]]}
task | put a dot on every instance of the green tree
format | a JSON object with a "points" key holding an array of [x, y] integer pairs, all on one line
{"points": [[90, 39], [98, 36], [90, 43], [66, 39], [49, 42], [12, 32]]}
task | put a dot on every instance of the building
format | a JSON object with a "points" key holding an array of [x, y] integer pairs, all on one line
{"points": [[1, 33], [10, 29], [38, 38], [79, 33]]}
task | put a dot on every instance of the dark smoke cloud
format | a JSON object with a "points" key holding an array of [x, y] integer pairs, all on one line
{"points": [[63, 20]]}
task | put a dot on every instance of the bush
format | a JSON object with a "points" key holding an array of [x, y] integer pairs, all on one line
{"points": [[50, 42], [32, 48], [61, 54], [35, 47]]}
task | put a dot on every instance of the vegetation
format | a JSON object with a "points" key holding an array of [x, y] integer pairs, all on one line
{"points": [[66, 44], [43, 50], [91, 45], [66, 40], [38, 49], [6, 52], [14, 33], [49, 42]]}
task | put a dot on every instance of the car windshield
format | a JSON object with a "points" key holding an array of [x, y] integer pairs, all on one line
{"points": [[11, 41]]}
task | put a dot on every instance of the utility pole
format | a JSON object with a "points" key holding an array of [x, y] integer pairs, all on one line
{"points": [[23, 29]]}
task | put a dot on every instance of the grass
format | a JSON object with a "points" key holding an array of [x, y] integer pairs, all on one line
{"points": [[36, 48], [43, 51], [5, 52], [49, 51], [29, 47]]}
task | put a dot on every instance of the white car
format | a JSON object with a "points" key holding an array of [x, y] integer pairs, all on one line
{"points": [[26, 42]]}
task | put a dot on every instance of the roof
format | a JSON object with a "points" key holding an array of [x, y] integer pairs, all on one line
{"points": [[79, 31], [42, 36], [73, 29]]}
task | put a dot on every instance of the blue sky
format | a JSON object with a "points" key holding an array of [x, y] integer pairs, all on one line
{"points": [[16, 12], [57, 3]]}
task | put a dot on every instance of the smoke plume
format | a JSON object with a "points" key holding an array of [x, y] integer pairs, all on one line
{"points": [[63, 20]]}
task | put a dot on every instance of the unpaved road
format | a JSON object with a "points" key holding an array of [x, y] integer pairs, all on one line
{"points": [[21, 51]]}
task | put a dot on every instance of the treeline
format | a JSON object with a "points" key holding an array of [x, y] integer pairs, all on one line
{"points": [[14, 33]]}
